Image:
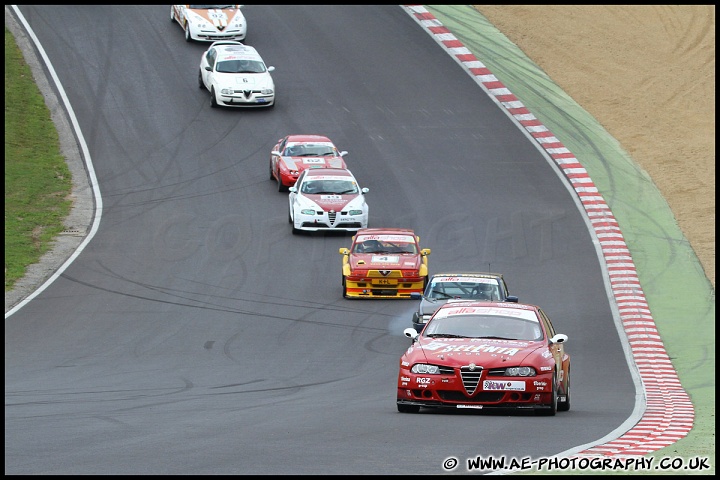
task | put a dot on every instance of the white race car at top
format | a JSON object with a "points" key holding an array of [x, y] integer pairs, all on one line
{"points": [[210, 23], [236, 76]]}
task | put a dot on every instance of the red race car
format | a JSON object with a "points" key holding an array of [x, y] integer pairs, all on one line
{"points": [[295, 153], [384, 263], [485, 355]]}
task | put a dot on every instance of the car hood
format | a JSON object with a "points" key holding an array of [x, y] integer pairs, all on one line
{"points": [[456, 352], [216, 16], [428, 306], [301, 163], [385, 261], [244, 81], [332, 202]]}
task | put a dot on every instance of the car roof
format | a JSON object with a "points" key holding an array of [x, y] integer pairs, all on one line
{"points": [[316, 172], [230, 48], [308, 138]]}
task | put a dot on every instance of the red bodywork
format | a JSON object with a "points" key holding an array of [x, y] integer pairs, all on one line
{"points": [[285, 167], [472, 372]]}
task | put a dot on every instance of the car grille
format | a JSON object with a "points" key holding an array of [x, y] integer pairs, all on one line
{"points": [[391, 274], [325, 225], [481, 397], [331, 216], [470, 378], [247, 93]]}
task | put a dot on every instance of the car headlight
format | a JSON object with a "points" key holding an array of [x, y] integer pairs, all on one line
{"points": [[355, 212], [227, 91], [520, 372], [267, 91], [307, 211], [425, 369]]}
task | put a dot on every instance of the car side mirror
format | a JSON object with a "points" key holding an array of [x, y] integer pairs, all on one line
{"points": [[425, 251], [365, 190], [512, 298], [344, 251], [559, 338], [208, 68], [292, 189], [416, 295], [343, 153], [411, 333], [270, 69]]}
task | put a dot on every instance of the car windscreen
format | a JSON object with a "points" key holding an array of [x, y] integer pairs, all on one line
{"points": [[445, 290], [484, 326], [329, 187], [240, 66]]}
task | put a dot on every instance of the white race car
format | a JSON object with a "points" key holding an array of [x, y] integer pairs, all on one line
{"points": [[327, 199], [236, 76], [209, 23]]}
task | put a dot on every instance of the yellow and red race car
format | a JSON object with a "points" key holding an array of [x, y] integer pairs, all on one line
{"points": [[384, 263]]}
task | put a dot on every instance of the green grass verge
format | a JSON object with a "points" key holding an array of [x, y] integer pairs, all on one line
{"points": [[38, 182]]}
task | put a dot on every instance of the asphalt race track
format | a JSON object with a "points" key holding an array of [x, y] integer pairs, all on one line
{"points": [[196, 335]]}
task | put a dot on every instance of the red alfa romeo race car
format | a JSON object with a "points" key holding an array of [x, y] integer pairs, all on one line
{"points": [[384, 263], [293, 154], [485, 355]]}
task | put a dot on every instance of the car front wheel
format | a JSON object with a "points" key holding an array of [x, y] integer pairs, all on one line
{"points": [[213, 100], [553, 400], [200, 80], [188, 38], [564, 406]]}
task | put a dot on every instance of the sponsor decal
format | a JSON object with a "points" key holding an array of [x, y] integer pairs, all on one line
{"points": [[422, 380], [540, 383], [439, 348], [385, 259], [330, 177], [387, 238], [479, 407], [404, 363], [330, 197], [313, 160], [404, 379], [503, 312], [512, 385], [545, 368], [450, 278]]}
